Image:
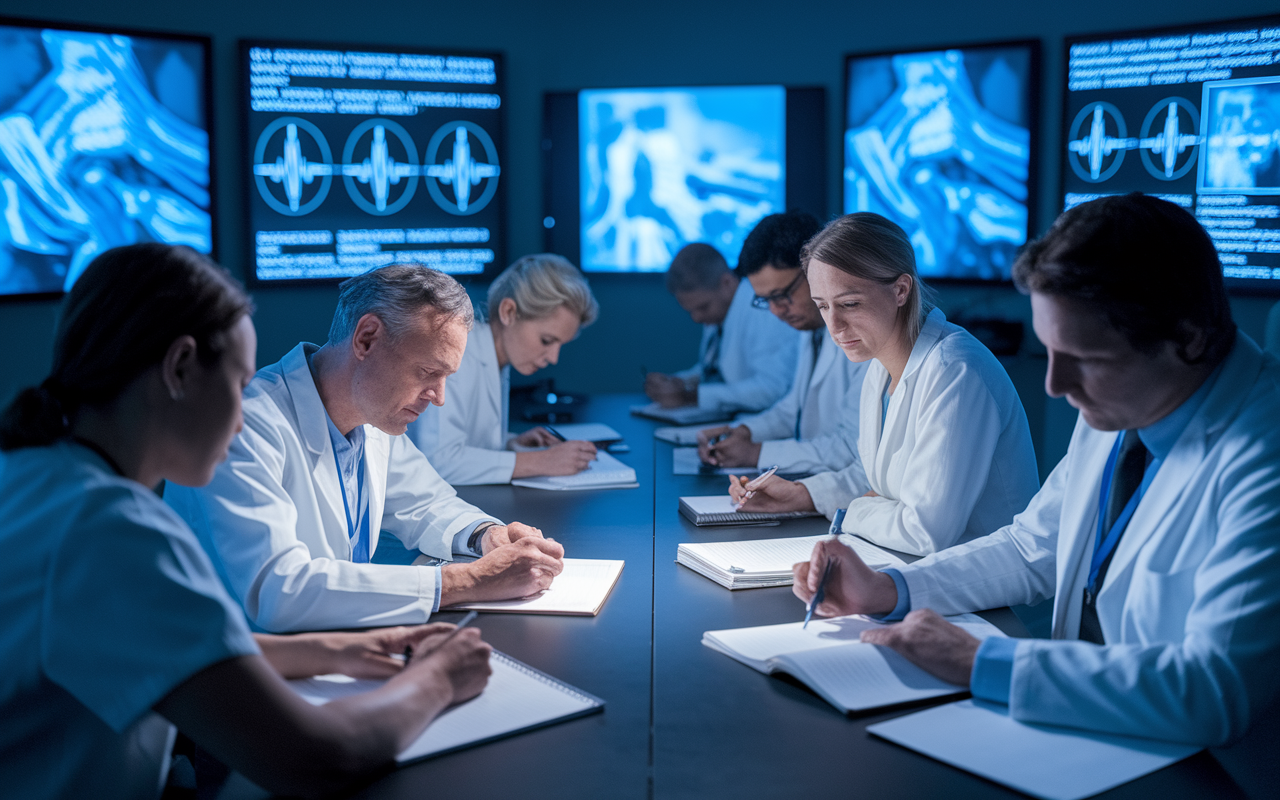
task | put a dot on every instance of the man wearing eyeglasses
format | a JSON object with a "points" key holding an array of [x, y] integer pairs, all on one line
{"points": [[746, 358], [814, 428]]}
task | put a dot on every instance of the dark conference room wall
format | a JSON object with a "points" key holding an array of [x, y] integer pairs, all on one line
{"points": [[570, 45]]}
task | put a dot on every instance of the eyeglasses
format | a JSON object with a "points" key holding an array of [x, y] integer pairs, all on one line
{"points": [[782, 298]]}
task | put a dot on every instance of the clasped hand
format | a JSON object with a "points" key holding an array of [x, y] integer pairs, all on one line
{"points": [[736, 450], [923, 637]]}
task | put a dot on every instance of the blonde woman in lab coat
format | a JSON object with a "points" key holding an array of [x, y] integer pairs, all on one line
{"points": [[943, 438], [535, 306]]}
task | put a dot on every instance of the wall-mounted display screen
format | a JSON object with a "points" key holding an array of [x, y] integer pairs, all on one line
{"points": [[103, 142], [633, 175], [1191, 114], [362, 157], [941, 142]]}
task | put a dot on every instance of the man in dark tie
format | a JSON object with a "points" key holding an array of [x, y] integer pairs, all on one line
{"points": [[1157, 536], [814, 428]]}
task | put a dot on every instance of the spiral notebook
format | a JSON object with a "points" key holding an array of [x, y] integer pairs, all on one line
{"points": [[518, 698], [717, 509], [758, 563]]}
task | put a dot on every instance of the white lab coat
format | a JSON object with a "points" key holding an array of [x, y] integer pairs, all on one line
{"points": [[825, 396], [955, 460], [465, 439], [274, 523], [757, 358], [1190, 603]]}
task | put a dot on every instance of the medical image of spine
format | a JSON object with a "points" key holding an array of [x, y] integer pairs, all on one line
{"points": [[1242, 127], [96, 151], [663, 168], [939, 143]]}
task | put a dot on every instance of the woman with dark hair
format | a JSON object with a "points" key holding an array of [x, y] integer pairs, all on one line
{"points": [[942, 437], [112, 609]]}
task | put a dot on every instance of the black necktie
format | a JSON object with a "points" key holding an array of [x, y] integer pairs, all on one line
{"points": [[1131, 464], [711, 357]]}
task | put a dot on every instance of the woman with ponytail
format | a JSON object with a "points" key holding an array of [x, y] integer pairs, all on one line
{"points": [[117, 625]]}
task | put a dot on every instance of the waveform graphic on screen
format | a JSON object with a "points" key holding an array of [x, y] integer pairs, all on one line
{"points": [[661, 168], [462, 171], [102, 144], [939, 142]]}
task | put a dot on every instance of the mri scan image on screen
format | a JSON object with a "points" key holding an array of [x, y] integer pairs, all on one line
{"points": [[103, 143], [940, 143], [661, 168]]}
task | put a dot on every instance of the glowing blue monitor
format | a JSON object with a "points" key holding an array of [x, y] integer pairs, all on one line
{"points": [[1190, 114], [661, 168], [103, 142], [359, 157], [941, 143]]}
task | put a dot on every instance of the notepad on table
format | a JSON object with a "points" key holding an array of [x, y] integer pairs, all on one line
{"points": [[580, 590], [606, 472], [717, 509], [518, 698], [686, 461], [829, 658], [679, 436], [588, 432], [758, 563], [1041, 760], [683, 415]]}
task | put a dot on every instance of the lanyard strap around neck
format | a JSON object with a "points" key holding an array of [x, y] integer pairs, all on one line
{"points": [[359, 547], [1106, 540]]}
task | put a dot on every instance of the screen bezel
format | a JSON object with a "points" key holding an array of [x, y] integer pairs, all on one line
{"points": [[206, 44], [804, 188], [1034, 109], [1235, 286], [242, 65]]}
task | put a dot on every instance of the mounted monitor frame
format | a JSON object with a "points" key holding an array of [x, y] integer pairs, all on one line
{"points": [[169, 193], [980, 221], [324, 162], [804, 153], [1161, 79]]}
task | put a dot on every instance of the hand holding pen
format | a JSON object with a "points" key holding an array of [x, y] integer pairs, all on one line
{"points": [[850, 587], [836, 524], [751, 487], [773, 495]]}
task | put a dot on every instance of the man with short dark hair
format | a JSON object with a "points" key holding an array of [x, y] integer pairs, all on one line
{"points": [[292, 517], [814, 428], [1157, 536], [746, 359]]}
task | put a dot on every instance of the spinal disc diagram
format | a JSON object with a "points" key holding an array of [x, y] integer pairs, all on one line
{"points": [[294, 168]]}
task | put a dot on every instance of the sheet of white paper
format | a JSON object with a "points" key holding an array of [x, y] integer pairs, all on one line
{"points": [[685, 461], [604, 471], [514, 699], [580, 589], [1040, 760]]}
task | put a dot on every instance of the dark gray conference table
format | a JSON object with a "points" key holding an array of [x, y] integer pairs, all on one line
{"points": [[681, 720]]}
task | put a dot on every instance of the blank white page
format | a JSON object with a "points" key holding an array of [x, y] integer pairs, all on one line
{"points": [[1041, 760], [857, 676], [605, 470], [515, 699], [755, 556], [580, 590]]}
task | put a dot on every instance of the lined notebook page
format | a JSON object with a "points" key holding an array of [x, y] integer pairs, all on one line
{"points": [[1040, 760], [580, 590], [516, 698]]}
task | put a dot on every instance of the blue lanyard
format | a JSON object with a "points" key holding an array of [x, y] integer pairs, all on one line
{"points": [[1104, 545], [359, 544]]}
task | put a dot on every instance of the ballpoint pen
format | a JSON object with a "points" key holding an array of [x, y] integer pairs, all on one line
{"points": [[462, 623], [555, 433], [837, 523], [754, 486]]}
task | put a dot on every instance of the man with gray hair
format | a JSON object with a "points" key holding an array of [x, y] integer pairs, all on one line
{"points": [[746, 359], [320, 468]]}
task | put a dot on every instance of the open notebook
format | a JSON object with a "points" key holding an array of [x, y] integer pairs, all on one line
{"points": [[752, 564], [606, 472], [717, 509], [684, 415], [518, 698], [580, 590], [828, 658], [1041, 760]]}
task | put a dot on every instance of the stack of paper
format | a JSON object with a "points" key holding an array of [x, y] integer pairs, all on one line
{"points": [[829, 658], [685, 461], [1041, 760], [517, 698], [580, 590], [606, 472], [717, 509], [767, 562], [684, 415]]}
